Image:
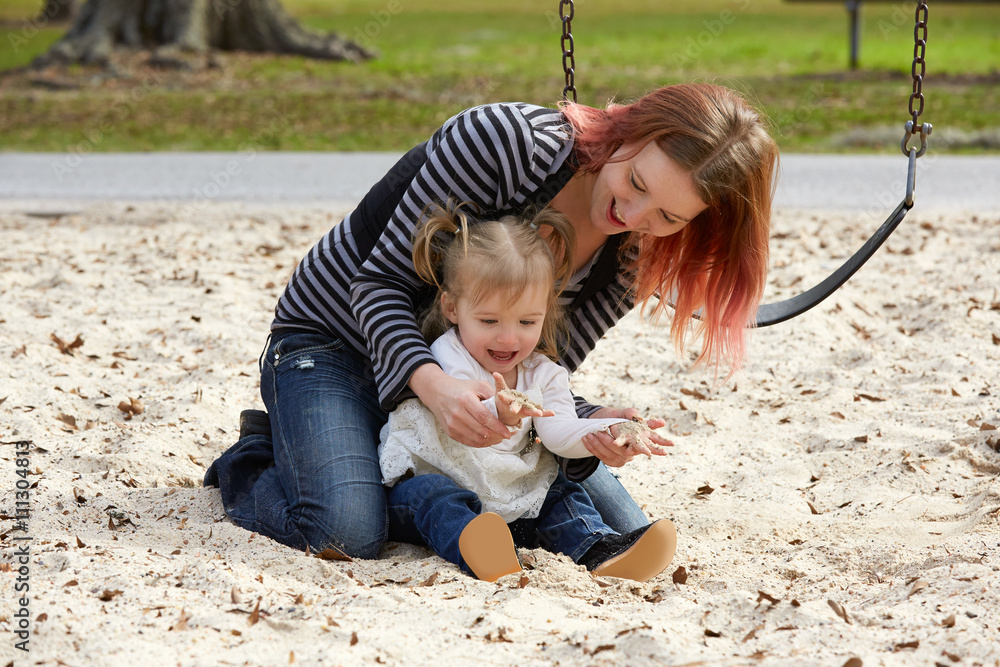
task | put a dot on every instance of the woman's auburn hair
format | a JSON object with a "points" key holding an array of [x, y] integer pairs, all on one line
{"points": [[718, 263], [472, 260]]}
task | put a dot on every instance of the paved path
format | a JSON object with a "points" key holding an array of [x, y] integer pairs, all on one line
{"points": [[871, 183]]}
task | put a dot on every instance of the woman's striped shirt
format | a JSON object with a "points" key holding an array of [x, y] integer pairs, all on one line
{"points": [[358, 282]]}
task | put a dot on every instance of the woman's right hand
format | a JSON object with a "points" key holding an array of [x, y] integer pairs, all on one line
{"points": [[457, 405]]}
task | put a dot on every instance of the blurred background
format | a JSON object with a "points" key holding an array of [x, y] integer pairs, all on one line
{"points": [[411, 64]]}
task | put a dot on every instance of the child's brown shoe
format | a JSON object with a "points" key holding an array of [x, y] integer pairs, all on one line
{"points": [[487, 547], [639, 555]]}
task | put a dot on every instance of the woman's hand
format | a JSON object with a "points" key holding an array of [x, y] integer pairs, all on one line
{"points": [[513, 405], [457, 405], [614, 451]]}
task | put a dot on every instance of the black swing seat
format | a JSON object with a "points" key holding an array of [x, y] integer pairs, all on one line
{"points": [[775, 313]]}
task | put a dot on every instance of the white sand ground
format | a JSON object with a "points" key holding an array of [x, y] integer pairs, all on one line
{"points": [[837, 500]]}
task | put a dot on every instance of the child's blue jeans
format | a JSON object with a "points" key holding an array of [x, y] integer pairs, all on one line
{"points": [[433, 510]]}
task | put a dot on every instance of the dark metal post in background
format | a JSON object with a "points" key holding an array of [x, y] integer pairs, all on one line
{"points": [[854, 26]]}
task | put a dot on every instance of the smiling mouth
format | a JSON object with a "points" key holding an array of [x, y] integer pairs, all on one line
{"points": [[502, 357], [614, 215]]}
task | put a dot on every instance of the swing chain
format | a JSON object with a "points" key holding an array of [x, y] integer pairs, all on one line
{"points": [[914, 126], [569, 60]]}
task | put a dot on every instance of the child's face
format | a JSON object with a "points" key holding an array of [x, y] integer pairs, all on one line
{"points": [[498, 334]]}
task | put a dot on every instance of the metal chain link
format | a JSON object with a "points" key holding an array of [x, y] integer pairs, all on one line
{"points": [[569, 60], [914, 126]]}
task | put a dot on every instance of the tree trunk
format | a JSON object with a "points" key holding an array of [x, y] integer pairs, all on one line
{"points": [[192, 25], [59, 10]]}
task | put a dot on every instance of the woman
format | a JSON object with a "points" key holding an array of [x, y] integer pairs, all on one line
{"points": [[670, 195]]}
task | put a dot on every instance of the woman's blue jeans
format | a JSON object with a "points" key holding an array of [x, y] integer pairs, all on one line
{"points": [[316, 480], [433, 509]]}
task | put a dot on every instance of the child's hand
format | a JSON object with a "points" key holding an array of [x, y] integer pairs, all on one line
{"points": [[512, 405], [639, 437]]}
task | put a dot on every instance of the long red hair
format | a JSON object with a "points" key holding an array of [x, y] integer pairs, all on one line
{"points": [[717, 264]]}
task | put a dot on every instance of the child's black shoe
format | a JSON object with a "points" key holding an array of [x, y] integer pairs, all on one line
{"points": [[639, 555]]}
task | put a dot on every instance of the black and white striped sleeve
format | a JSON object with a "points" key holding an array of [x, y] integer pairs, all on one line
{"points": [[589, 321], [490, 155]]}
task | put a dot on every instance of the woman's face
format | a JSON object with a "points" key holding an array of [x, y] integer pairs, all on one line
{"points": [[648, 193]]}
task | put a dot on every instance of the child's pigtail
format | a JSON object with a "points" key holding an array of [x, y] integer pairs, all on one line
{"points": [[441, 225], [562, 243]]}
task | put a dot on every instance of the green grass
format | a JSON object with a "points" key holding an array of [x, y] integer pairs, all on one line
{"points": [[438, 57]]}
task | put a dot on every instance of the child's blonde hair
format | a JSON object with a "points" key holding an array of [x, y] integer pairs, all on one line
{"points": [[506, 255]]}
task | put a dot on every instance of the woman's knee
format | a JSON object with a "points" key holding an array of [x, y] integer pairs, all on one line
{"points": [[357, 534]]}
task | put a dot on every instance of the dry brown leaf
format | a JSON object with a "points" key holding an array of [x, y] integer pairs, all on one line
{"points": [[332, 554], [918, 586], [838, 415], [839, 610], [854, 662], [812, 508], [182, 622], [354, 638], [869, 397], [131, 407], [712, 633], [78, 495], [69, 420], [680, 575], [429, 581], [694, 393], [985, 426], [705, 490], [234, 594], [79, 543], [67, 348], [996, 339], [910, 644], [861, 438], [109, 595], [949, 622], [523, 581], [761, 595], [255, 614]]}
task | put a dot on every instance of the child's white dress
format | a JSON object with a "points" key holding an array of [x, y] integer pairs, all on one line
{"points": [[511, 478]]}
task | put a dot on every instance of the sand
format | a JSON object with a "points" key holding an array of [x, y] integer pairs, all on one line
{"points": [[837, 499]]}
